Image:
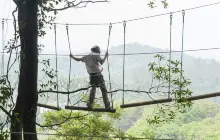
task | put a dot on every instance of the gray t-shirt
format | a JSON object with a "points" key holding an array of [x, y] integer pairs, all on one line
{"points": [[92, 62]]}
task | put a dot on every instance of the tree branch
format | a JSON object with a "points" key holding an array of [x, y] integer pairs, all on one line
{"points": [[12, 47], [72, 4], [62, 122], [86, 88], [65, 92], [5, 111]]}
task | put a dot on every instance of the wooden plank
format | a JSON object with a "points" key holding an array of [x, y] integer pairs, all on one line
{"points": [[146, 103], [49, 107], [198, 97], [90, 109]]}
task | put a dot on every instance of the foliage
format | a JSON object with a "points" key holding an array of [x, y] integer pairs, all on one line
{"points": [[5, 94], [44, 19], [5, 90], [129, 118], [167, 75], [200, 122], [196, 126], [4, 135], [78, 124], [154, 3], [48, 82]]}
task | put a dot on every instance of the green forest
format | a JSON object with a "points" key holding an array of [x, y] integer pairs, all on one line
{"points": [[36, 88], [197, 122], [200, 121]]}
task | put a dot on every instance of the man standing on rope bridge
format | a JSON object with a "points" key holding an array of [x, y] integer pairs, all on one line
{"points": [[96, 78]]}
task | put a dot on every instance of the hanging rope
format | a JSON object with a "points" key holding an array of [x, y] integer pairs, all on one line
{"points": [[124, 24], [3, 43], [55, 43], [68, 88], [109, 75], [183, 13], [181, 64], [171, 18]]}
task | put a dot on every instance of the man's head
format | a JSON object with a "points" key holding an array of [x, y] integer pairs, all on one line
{"points": [[96, 49]]}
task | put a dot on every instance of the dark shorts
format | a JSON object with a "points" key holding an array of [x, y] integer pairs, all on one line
{"points": [[96, 79]]}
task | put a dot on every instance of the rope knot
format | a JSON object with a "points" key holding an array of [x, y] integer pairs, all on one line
{"points": [[124, 23], [171, 15], [67, 26], [183, 12], [110, 26]]}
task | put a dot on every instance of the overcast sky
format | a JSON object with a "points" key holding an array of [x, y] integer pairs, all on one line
{"points": [[201, 26]]}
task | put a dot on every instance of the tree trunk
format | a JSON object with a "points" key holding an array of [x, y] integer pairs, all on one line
{"points": [[27, 91], [16, 120]]}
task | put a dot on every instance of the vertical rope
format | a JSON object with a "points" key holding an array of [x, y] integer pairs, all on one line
{"points": [[183, 13], [3, 45], [181, 64], [67, 31], [124, 24], [171, 17], [109, 75], [55, 43]]}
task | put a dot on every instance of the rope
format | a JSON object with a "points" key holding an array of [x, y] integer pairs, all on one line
{"points": [[181, 64], [3, 45], [67, 31], [129, 54], [69, 135], [136, 19], [171, 19], [55, 38], [109, 75], [183, 13], [124, 24], [163, 14]]}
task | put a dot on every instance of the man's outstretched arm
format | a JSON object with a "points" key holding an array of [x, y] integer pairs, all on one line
{"points": [[75, 58]]}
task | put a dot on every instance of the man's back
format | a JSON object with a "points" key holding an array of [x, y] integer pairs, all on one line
{"points": [[92, 62]]}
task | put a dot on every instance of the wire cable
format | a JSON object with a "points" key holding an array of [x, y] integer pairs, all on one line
{"points": [[3, 45], [124, 24], [7, 18], [136, 19], [181, 63], [68, 88], [69, 135], [183, 14], [170, 53], [109, 74], [138, 53], [57, 80]]}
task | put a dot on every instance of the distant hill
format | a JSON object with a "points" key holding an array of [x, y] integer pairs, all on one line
{"points": [[204, 73]]}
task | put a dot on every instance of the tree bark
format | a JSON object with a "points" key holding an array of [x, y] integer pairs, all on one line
{"points": [[27, 90], [16, 120]]}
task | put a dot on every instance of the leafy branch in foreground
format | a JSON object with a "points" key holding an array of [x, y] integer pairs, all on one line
{"points": [[48, 80], [167, 75], [83, 124]]}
